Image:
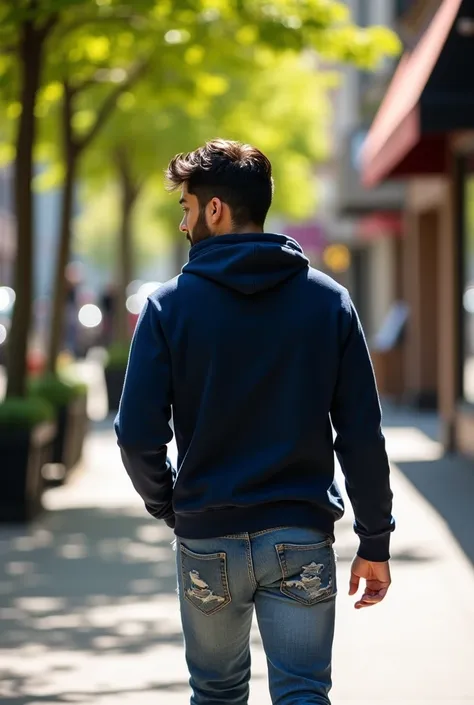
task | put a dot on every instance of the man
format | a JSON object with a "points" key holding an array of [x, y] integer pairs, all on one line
{"points": [[254, 353]]}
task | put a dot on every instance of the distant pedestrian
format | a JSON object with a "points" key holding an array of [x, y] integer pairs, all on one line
{"points": [[255, 353]]}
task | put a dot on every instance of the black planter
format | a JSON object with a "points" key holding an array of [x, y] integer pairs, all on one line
{"points": [[114, 379], [72, 423], [78, 426], [23, 453]]}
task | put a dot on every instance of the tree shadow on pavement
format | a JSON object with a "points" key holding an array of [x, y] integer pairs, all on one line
{"points": [[448, 485], [88, 579], [445, 481], [79, 584], [22, 695]]}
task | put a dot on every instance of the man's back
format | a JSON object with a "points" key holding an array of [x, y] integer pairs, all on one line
{"points": [[259, 347], [254, 353], [253, 337]]}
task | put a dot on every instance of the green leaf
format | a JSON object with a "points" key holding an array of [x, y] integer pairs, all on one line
{"points": [[25, 413]]}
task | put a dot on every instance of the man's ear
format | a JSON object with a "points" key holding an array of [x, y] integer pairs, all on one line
{"points": [[215, 210]]}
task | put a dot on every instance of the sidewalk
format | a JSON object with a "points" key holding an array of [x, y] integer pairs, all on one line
{"points": [[88, 608]]}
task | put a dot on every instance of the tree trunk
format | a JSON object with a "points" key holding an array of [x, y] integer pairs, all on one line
{"points": [[59, 295], [30, 57], [73, 148], [129, 194]]}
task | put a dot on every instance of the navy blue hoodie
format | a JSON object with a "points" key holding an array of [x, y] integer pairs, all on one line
{"points": [[254, 353]]}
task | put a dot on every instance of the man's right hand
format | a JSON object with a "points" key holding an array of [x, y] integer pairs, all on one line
{"points": [[377, 577]]}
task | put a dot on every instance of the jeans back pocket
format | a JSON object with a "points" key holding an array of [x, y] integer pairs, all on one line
{"points": [[308, 571], [204, 580]]}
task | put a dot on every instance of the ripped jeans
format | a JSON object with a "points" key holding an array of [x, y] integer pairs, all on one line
{"points": [[288, 575]]}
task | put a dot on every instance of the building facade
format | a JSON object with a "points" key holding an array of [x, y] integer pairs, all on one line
{"points": [[424, 133]]}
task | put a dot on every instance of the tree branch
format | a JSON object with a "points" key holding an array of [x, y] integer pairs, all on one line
{"points": [[48, 26], [109, 104], [113, 17], [83, 85], [132, 185], [140, 185], [9, 49]]}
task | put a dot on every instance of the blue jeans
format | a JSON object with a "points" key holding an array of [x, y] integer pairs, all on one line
{"points": [[289, 576]]}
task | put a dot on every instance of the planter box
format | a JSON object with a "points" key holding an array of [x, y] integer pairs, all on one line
{"points": [[114, 380], [78, 427], [72, 424], [23, 453]]}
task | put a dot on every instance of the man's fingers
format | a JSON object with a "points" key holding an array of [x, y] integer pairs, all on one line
{"points": [[354, 584], [370, 598]]}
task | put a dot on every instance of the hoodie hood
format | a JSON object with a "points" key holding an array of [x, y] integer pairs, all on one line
{"points": [[249, 263]]}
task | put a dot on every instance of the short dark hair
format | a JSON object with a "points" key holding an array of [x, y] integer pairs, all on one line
{"points": [[239, 174]]}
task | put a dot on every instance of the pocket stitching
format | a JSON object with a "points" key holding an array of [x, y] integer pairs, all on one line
{"points": [[202, 556], [222, 557]]}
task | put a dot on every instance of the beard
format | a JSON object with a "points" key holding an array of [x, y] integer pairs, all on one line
{"points": [[200, 231]]}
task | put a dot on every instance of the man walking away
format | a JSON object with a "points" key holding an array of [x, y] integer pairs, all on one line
{"points": [[254, 353]]}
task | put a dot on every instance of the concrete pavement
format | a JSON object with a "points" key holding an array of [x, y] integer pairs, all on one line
{"points": [[88, 609]]}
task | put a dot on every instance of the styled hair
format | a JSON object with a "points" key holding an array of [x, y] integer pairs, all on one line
{"points": [[238, 174]]}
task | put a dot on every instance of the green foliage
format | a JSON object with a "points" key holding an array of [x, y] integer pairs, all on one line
{"points": [[117, 356], [25, 413], [97, 224], [58, 392], [264, 86], [283, 107], [94, 44]]}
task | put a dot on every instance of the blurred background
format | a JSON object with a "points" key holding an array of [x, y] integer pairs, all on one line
{"points": [[366, 110]]}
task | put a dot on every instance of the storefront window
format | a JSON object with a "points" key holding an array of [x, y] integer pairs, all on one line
{"points": [[468, 285]]}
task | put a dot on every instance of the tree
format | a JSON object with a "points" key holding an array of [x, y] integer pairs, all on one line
{"points": [[257, 94], [93, 46], [288, 118], [25, 29], [130, 187], [74, 146]]}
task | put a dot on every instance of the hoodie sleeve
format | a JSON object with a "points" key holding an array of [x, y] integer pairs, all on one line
{"points": [[360, 444], [142, 423]]}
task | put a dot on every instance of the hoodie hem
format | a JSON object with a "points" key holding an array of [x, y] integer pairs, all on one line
{"points": [[234, 520]]}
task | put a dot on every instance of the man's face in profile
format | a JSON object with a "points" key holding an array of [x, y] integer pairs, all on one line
{"points": [[194, 222]]}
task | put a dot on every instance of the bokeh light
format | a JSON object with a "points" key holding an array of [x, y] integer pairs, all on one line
{"points": [[134, 304], [468, 300], [337, 258], [7, 298], [90, 316], [136, 301], [148, 288]]}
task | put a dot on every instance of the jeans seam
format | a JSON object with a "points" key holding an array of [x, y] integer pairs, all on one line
{"points": [[235, 537], [268, 531], [250, 566], [202, 556], [304, 547]]}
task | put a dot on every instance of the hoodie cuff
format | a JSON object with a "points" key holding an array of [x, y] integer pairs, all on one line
{"points": [[376, 549], [170, 521]]}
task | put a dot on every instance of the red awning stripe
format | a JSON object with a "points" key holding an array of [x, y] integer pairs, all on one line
{"points": [[395, 129]]}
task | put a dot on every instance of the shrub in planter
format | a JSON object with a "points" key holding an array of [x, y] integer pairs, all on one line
{"points": [[69, 400], [27, 432], [115, 369]]}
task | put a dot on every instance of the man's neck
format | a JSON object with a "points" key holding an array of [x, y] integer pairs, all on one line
{"points": [[251, 228]]}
